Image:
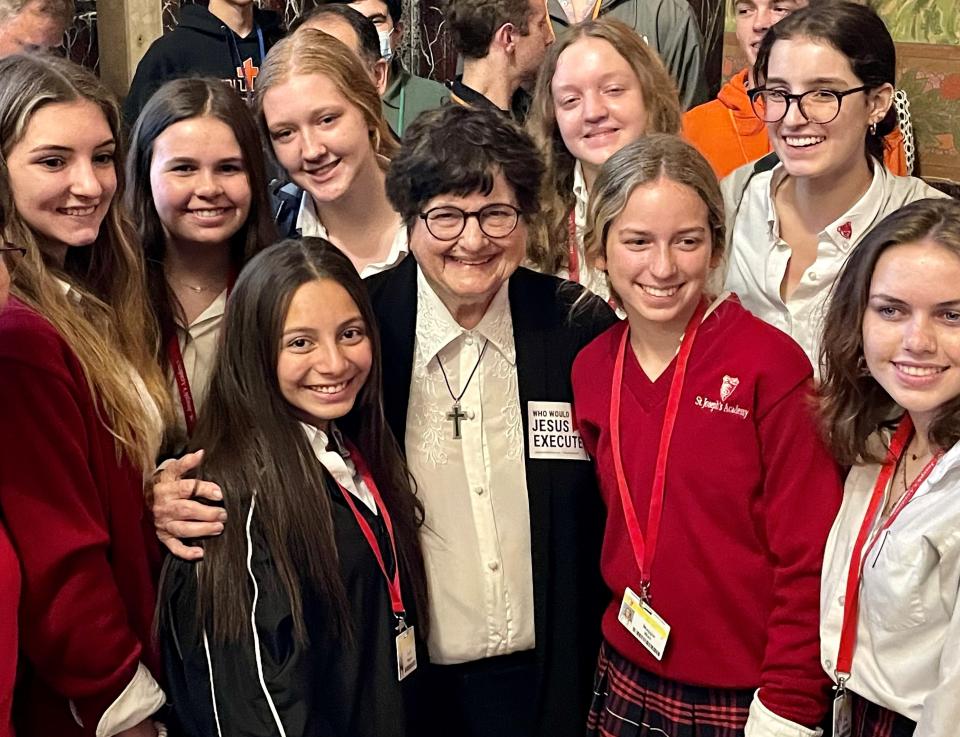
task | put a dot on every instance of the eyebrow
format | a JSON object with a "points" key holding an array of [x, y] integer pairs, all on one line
{"points": [[897, 301], [355, 319], [54, 147], [692, 230], [819, 81]]}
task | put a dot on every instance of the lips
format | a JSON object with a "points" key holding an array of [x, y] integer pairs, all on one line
{"points": [[323, 171], [210, 213], [660, 292], [803, 141], [473, 261], [329, 391], [600, 134], [919, 371]]}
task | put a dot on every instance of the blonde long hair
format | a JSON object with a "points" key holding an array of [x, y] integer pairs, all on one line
{"points": [[660, 98], [309, 51], [111, 318]]}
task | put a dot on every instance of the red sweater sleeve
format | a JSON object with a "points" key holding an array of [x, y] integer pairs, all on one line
{"points": [[74, 626], [801, 497], [9, 599]]}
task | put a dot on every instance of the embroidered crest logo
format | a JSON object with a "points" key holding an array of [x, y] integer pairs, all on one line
{"points": [[728, 386], [845, 229]]}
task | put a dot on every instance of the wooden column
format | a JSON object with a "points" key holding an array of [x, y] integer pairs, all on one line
{"points": [[125, 28]]}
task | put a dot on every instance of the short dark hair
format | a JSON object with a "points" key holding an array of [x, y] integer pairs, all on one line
{"points": [[364, 28], [857, 32], [394, 9], [474, 22], [458, 150]]}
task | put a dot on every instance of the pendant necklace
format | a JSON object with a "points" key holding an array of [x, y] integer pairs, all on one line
{"points": [[456, 415]]}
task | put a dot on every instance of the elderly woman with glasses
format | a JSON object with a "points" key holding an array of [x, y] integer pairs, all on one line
{"points": [[825, 84]]}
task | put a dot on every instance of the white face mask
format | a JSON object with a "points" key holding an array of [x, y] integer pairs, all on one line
{"points": [[386, 50]]}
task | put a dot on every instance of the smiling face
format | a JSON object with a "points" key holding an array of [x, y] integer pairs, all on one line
{"points": [[467, 272], [199, 181], [911, 328], [63, 175], [658, 254], [318, 135], [597, 101], [325, 353], [821, 149], [755, 17]]}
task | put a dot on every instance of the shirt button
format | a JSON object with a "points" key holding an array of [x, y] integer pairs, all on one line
{"points": [[493, 565], [471, 414], [468, 340], [478, 490], [812, 275], [828, 663], [841, 600]]}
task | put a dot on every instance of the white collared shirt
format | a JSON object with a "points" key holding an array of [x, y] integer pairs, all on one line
{"points": [[336, 460], [199, 343], [476, 536], [758, 256], [590, 277], [907, 654], [308, 223]]}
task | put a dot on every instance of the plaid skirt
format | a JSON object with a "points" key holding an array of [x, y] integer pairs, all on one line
{"points": [[872, 720], [630, 702]]}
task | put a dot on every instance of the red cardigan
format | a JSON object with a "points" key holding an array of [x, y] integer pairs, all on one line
{"points": [[751, 493], [9, 599], [77, 519]]}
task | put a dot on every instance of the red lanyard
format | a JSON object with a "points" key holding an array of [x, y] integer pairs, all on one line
{"points": [[644, 550], [574, 257], [861, 549], [175, 356], [393, 583]]}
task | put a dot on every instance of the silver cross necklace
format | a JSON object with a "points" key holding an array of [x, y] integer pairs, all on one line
{"points": [[456, 415]]}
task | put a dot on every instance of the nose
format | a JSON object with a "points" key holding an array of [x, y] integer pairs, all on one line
{"points": [[920, 337], [664, 264], [208, 184], [329, 359], [594, 107], [763, 19], [794, 117], [84, 181], [313, 147], [471, 237]]}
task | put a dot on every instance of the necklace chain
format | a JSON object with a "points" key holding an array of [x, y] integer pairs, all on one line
{"points": [[456, 398]]}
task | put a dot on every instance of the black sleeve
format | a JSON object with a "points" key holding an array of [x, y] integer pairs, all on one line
{"points": [[249, 688], [152, 71]]}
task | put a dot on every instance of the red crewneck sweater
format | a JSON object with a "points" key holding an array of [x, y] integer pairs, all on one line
{"points": [[751, 493]]}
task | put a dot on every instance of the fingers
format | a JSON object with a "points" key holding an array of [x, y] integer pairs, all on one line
{"points": [[186, 510], [181, 466], [189, 530], [177, 548]]}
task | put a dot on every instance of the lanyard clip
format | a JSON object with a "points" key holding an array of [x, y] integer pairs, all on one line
{"points": [[841, 687], [645, 591], [401, 622]]}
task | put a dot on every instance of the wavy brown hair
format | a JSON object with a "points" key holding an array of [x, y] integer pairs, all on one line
{"points": [[660, 98], [309, 51], [112, 317], [655, 156], [258, 453], [853, 405]]}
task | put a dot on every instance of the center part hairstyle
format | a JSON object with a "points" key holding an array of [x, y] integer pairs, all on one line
{"points": [[308, 51], [857, 32], [257, 451], [654, 157], [853, 405], [174, 102], [455, 150], [660, 98], [111, 315]]}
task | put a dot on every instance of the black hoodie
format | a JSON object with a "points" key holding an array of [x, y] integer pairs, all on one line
{"points": [[201, 45]]}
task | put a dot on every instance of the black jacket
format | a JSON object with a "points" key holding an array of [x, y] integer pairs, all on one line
{"points": [[200, 46], [566, 512]]}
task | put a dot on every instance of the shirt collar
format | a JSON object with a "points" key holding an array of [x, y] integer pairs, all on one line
{"points": [[496, 325], [580, 193], [399, 76], [321, 442], [308, 223], [847, 230]]}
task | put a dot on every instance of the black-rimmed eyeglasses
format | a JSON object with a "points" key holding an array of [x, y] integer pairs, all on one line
{"points": [[447, 223], [11, 255], [817, 106]]}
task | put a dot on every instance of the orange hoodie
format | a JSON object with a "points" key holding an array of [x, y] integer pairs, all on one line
{"points": [[729, 135]]}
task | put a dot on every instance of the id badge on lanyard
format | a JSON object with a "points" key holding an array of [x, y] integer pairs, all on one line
{"points": [[636, 614]]}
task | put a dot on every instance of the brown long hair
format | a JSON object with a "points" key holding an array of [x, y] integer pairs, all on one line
{"points": [[112, 316], [660, 98], [176, 101], [853, 405], [256, 451]]}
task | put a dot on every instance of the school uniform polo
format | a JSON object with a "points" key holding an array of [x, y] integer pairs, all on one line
{"points": [[409, 95], [758, 257], [907, 653], [750, 494]]}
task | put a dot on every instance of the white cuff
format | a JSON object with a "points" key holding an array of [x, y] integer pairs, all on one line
{"points": [[141, 699], [764, 723]]}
